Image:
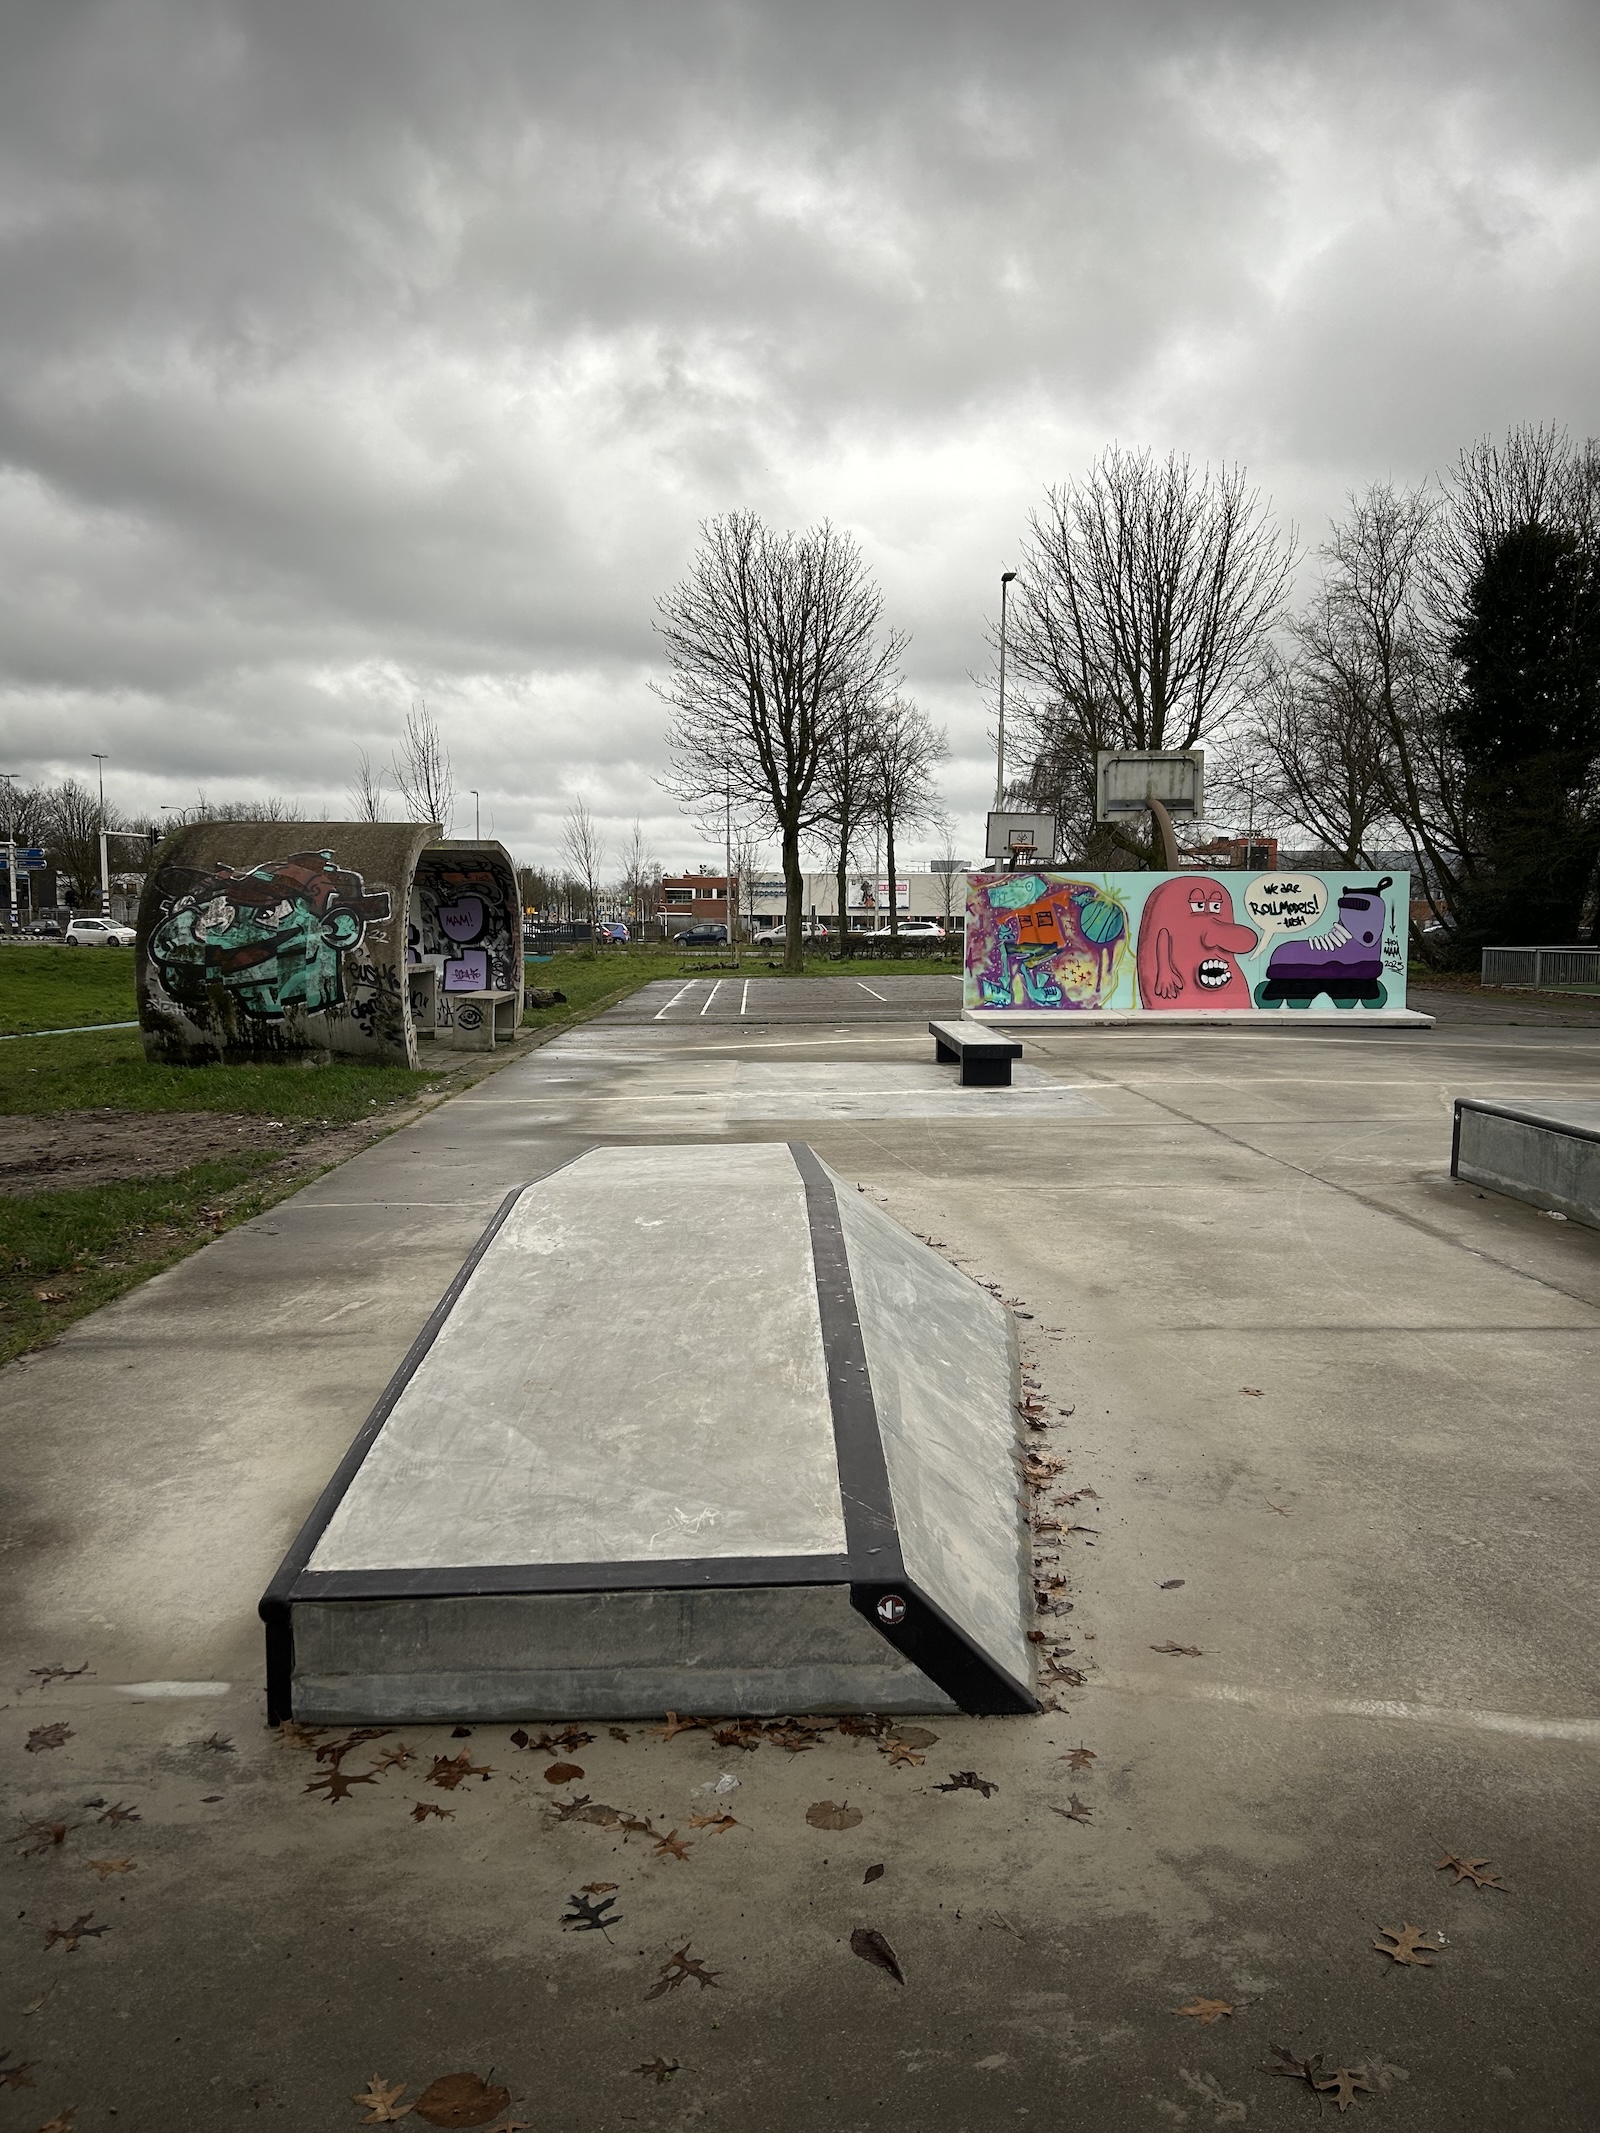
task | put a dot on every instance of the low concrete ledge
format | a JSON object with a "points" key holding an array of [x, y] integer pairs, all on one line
{"points": [[1036, 1020], [1547, 1155]]}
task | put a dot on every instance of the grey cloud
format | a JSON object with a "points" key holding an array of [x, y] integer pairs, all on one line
{"points": [[353, 353]]}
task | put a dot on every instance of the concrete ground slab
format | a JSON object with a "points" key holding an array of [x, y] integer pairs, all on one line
{"points": [[1347, 1402]]}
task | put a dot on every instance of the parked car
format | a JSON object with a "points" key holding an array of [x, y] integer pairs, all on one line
{"points": [[42, 929], [780, 934], [909, 929], [614, 932], [98, 933], [701, 937]]}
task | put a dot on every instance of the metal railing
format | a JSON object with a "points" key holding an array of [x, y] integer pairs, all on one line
{"points": [[1541, 969]]}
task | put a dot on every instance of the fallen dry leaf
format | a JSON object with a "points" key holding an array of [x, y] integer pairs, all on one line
{"points": [[36, 1837], [1470, 1870], [873, 1873], [591, 1914], [1343, 2084], [449, 1770], [659, 2071], [335, 1784], [617, 1732], [335, 1751], [69, 1936], [675, 1725], [671, 1845], [218, 1743], [44, 1675], [600, 1888], [721, 1822], [379, 2099], [563, 1773], [1253, 1390], [1285, 2062], [461, 2100], [871, 1946], [1078, 1758], [825, 1814], [1179, 1651], [395, 1758], [1411, 1945], [677, 1970], [1077, 1812], [915, 1736], [61, 2123], [292, 1734], [424, 1808], [116, 1814], [1381, 2073], [1205, 2012], [19, 2076], [51, 1736], [1169, 1584], [900, 1752], [106, 1867], [968, 1781]]}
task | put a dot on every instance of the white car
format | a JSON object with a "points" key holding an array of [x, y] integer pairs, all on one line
{"points": [[98, 933], [919, 929]]}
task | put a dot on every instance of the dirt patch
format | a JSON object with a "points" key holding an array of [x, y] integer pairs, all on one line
{"points": [[69, 1149]]}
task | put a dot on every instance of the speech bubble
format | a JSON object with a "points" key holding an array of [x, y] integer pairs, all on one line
{"points": [[462, 920], [1285, 903]]}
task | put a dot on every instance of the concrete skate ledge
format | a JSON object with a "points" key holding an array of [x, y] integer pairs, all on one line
{"points": [[1039, 1019], [1547, 1155]]}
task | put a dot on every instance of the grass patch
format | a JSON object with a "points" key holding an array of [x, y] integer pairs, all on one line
{"points": [[63, 988], [63, 1254], [108, 1071], [591, 978]]}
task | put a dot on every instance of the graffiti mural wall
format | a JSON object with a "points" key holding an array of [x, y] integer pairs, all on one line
{"points": [[1188, 943], [260, 941]]}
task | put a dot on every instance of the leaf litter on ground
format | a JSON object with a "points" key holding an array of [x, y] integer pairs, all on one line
{"points": [[1469, 1870], [591, 1914], [872, 1948], [829, 1814], [1411, 1945], [1205, 2012], [678, 1969], [968, 1781], [380, 2100], [660, 2071], [461, 2100]]}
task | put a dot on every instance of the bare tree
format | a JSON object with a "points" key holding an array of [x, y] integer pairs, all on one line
{"points": [[584, 852], [366, 790], [75, 819], [907, 749], [847, 784], [422, 770], [641, 875], [948, 875], [767, 638], [1147, 589], [1314, 750]]}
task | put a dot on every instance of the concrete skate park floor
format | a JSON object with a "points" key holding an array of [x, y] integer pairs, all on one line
{"points": [[1348, 1403]]}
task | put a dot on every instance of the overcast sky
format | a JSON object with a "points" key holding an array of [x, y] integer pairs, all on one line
{"points": [[356, 351]]}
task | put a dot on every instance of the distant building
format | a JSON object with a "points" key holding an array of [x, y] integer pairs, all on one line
{"points": [[693, 900]]}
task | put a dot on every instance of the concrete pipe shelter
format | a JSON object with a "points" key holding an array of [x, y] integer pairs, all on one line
{"points": [[266, 941]]}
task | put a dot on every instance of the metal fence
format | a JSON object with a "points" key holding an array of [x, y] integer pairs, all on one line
{"points": [[1541, 969]]}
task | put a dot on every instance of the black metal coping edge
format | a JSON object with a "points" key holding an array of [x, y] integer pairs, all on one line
{"points": [[273, 1607], [880, 1589], [667, 1574], [1491, 1109]]}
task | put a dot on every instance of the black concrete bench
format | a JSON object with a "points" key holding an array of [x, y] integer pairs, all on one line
{"points": [[983, 1055]]}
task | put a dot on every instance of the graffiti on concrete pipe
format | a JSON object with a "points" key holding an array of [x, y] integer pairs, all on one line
{"points": [[274, 936]]}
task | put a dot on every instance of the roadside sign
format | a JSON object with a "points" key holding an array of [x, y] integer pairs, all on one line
{"points": [[30, 860]]}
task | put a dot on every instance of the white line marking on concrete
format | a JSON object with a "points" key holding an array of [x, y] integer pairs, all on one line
{"points": [[1289, 1704], [78, 1029], [865, 987], [744, 997], [712, 994], [676, 997]]}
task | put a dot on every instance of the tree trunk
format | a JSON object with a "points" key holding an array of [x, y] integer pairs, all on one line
{"points": [[844, 902], [794, 941], [894, 901]]}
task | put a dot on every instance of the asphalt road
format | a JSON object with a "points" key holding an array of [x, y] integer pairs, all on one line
{"points": [[1328, 1424]]}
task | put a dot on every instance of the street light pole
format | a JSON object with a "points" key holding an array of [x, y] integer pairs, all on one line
{"points": [[477, 820], [1006, 577], [10, 777], [105, 871]]}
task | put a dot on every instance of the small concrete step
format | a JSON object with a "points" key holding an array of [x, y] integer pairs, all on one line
{"points": [[1546, 1153]]}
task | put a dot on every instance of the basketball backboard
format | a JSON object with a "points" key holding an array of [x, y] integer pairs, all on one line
{"points": [[1126, 780]]}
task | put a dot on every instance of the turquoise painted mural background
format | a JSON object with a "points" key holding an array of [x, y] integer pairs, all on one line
{"points": [[1186, 943]]}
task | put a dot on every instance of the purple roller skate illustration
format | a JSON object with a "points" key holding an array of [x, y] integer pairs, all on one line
{"points": [[1346, 962]]}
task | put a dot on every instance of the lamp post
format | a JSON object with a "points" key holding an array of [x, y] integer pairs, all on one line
{"points": [[105, 872], [10, 777], [477, 816], [1006, 577]]}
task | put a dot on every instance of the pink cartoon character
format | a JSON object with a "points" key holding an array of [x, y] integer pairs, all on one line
{"points": [[1189, 945]]}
